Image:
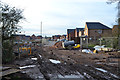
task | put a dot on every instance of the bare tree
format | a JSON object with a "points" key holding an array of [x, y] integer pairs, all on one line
{"points": [[10, 19], [118, 7], [115, 31]]}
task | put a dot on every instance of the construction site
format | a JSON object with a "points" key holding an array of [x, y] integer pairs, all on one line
{"points": [[60, 40], [53, 62]]}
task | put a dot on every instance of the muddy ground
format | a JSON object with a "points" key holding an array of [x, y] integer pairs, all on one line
{"points": [[69, 65]]}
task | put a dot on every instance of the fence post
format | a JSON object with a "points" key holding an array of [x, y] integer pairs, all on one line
{"points": [[87, 42], [119, 42], [100, 41], [81, 42], [112, 42]]}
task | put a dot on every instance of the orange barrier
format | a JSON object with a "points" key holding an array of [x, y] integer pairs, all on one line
{"points": [[24, 48]]}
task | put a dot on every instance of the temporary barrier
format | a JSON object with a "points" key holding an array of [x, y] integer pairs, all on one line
{"points": [[27, 49]]}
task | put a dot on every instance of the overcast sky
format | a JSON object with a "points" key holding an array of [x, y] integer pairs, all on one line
{"points": [[59, 15]]}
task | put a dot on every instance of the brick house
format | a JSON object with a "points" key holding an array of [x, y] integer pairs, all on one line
{"points": [[27, 38], [39, 37], [55, 37], [78, 32], [19, 37], [70, 34], [33, 37], [95, 30]]}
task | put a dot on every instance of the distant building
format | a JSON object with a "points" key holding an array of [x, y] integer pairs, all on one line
{"points": [[49, 38], [39, 37], [96, 30], [33, 37], [55, 37], [70, 34], [19, 37], [63, 37], [27, 38], [79, 32]]}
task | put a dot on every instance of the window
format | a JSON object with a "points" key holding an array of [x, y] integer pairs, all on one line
{"points": [[99, 31]]}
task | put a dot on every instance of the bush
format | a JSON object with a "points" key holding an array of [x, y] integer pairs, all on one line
{"points": [[7, 55], [116, 44], [91, 45]]}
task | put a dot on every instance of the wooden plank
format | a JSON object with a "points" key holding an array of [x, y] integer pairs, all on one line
{"points": [[5, 68], [9, 71]]}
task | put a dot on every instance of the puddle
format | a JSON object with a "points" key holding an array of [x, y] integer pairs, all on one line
{"points": [[70, 76], [112, 63], [114, 75], [54, 61], [34, 58], [99, 63], [101, 69], [87, 51], [86, 65], [85, 74], [27, 66], [27, 71], [39, 55]]}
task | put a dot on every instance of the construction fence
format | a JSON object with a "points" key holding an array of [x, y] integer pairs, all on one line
{"points": [[112, 42]]}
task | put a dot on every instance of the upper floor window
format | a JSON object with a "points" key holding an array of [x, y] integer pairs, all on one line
{"points": [[99, 31]]}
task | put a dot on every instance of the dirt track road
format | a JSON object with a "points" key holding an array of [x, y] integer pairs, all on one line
{"points": [[51, 64]]}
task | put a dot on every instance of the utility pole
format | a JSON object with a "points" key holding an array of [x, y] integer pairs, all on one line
{"points": [[119, 13], [41, 32]]}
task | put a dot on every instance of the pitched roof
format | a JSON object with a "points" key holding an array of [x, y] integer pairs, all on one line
{"points": [[18, 35], [70, 30], [64, 35], [39, 36], [27, 36], [57, 35], [81, 29], [96, 25]]}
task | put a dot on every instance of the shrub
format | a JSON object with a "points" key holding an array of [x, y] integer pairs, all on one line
{"points": [[7, 50]]}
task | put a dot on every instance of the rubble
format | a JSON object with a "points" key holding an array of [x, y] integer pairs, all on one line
{"points": [[54, 61], [58, 44], [87, 51], [101, 69], [61, 63], [34, 58], [97, 47], [102, 48], [29, 66]]}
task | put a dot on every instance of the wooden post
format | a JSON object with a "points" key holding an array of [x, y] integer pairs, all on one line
{"points": [[81, 43], [119, 42], [87, 42], [100, 41], [112, 42], [41, 32]]}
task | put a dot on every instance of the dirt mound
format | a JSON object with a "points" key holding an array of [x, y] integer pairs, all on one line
{"points": [[58, 44]]}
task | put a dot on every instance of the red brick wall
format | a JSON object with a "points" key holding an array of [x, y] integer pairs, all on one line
{"points": [[76, 34], [72, 35], [94, 33]]}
